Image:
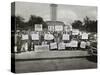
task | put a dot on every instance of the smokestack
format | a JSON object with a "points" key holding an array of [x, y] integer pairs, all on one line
{"points": [[53, 12]]}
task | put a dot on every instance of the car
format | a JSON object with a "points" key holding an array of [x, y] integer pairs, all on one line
{"points": [[92, 51]]}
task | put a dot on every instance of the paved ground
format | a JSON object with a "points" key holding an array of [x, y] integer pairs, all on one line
{"points": [[50, 54], [54, 64]]}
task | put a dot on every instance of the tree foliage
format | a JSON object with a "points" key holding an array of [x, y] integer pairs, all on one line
{"points": [[77, 24], [88, 25], [21, 24]]}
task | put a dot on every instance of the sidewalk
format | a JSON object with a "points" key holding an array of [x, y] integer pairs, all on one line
{"points": [[50, 54]]}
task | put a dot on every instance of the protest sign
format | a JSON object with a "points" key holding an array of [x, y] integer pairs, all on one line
{"points": [[65, 37], [38, 27], [68, 45], [24, 36], [51, 28], [83, 44], [48, 37], [61, 45], [58, 28], [84, 36], [75, 32], [67, 28], [74, 43], [53, 45], [35, 36], [41, 48]]}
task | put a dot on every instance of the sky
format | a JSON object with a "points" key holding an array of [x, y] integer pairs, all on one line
{"points": [[65, 13]]}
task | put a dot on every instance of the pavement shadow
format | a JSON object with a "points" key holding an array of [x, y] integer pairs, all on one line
{"points": [[92, 58]]}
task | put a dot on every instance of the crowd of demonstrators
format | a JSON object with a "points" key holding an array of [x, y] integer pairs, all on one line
{"points": [[26, 40]]}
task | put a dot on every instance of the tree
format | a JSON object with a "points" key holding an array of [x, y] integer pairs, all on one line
{"points": [[77, 24], [19, 21], [21, 24], [36, 20], [90, 25]]}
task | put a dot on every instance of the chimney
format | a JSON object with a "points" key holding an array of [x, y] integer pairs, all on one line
{"points": [[53, 12]]}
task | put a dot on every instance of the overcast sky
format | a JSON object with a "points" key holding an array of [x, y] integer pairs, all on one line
{"points": [[65, 13]]}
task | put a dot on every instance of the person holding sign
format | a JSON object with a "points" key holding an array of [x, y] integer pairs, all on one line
{"points": [[24, 42], [18, 41], [29, 40], [35, 39]]}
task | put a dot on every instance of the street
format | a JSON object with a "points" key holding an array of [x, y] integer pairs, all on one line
{"points": [[53, 64]]}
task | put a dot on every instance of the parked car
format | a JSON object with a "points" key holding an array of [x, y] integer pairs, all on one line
{"points": [[93, 49]]}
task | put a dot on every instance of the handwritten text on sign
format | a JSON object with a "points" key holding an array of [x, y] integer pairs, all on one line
{"points": [[38, 27]]}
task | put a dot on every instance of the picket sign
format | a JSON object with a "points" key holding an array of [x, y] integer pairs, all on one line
{"points": [[41, 48], [65, 37], [38, 27], [83, 44], [75, 32], [58, 28], [84, 36], [48, 37], [74, 43], [67, 28], [68, 45], [35, 36], [51, 28], [61, 45], [53, 45], [24, 37]]}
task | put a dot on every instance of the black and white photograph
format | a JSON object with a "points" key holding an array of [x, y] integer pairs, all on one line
{"points": [[53, 37]]}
